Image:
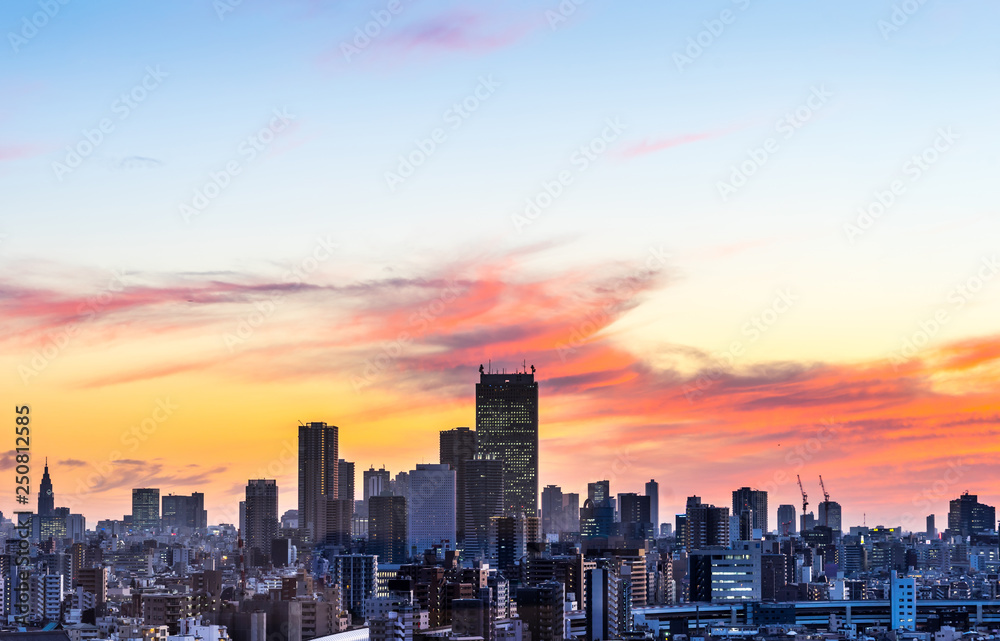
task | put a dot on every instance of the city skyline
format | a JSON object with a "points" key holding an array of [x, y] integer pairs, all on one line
{"points": [[703, 248], [310, 446]]}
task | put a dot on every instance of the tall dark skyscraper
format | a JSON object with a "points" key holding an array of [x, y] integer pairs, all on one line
{"points": [[507, 429], [387, 517], [262, 519], [376, 482], [552, 509], [318, 473], [484, 488], [146, 508], [653, 492], [345, 481], [753, 504], [457, 447], [46, 499]]}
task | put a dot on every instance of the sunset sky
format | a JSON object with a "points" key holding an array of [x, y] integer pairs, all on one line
{"points": [[218, 219]]}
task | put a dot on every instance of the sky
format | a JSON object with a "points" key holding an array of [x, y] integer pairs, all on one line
{"points": [[740, 241]]}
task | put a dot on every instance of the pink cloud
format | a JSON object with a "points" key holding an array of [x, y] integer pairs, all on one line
{"points": [[19, 152], [650, 146]]}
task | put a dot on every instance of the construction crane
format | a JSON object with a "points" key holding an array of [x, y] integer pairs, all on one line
{"points": [[826, 495], [805, 497]]}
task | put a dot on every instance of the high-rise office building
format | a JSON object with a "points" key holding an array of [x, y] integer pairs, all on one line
{"points": [[484, 491], [345, 481], [261, 519], [653, 492], [705, 525], [432, 507], [597, 520], [376, 482], [146, 508], [184, 511], [571, 512], [552, 509], [318, 473], [46, 499], [786, 519], [511, 538], [966, 515], [828, 514], [456, 447], [752, 503], [387, 518], [507, 429], [333, 521], [599, 491], [634, 511], [931, 528]]}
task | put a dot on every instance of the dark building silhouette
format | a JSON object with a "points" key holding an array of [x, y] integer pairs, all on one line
{"points": [[786, 519], [484, 492], [318, 472], [541, 607], [828, 514], [261, 520], [967, 515], [653, 492], [345, 480], [376, 482], [599, 491], [456, 447], [387, 519], [46, 499], [753, 504], [597, 520], [634, 513], [705, 525], [146, 508], [507, 429], [184, 511], [552, 509]]}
